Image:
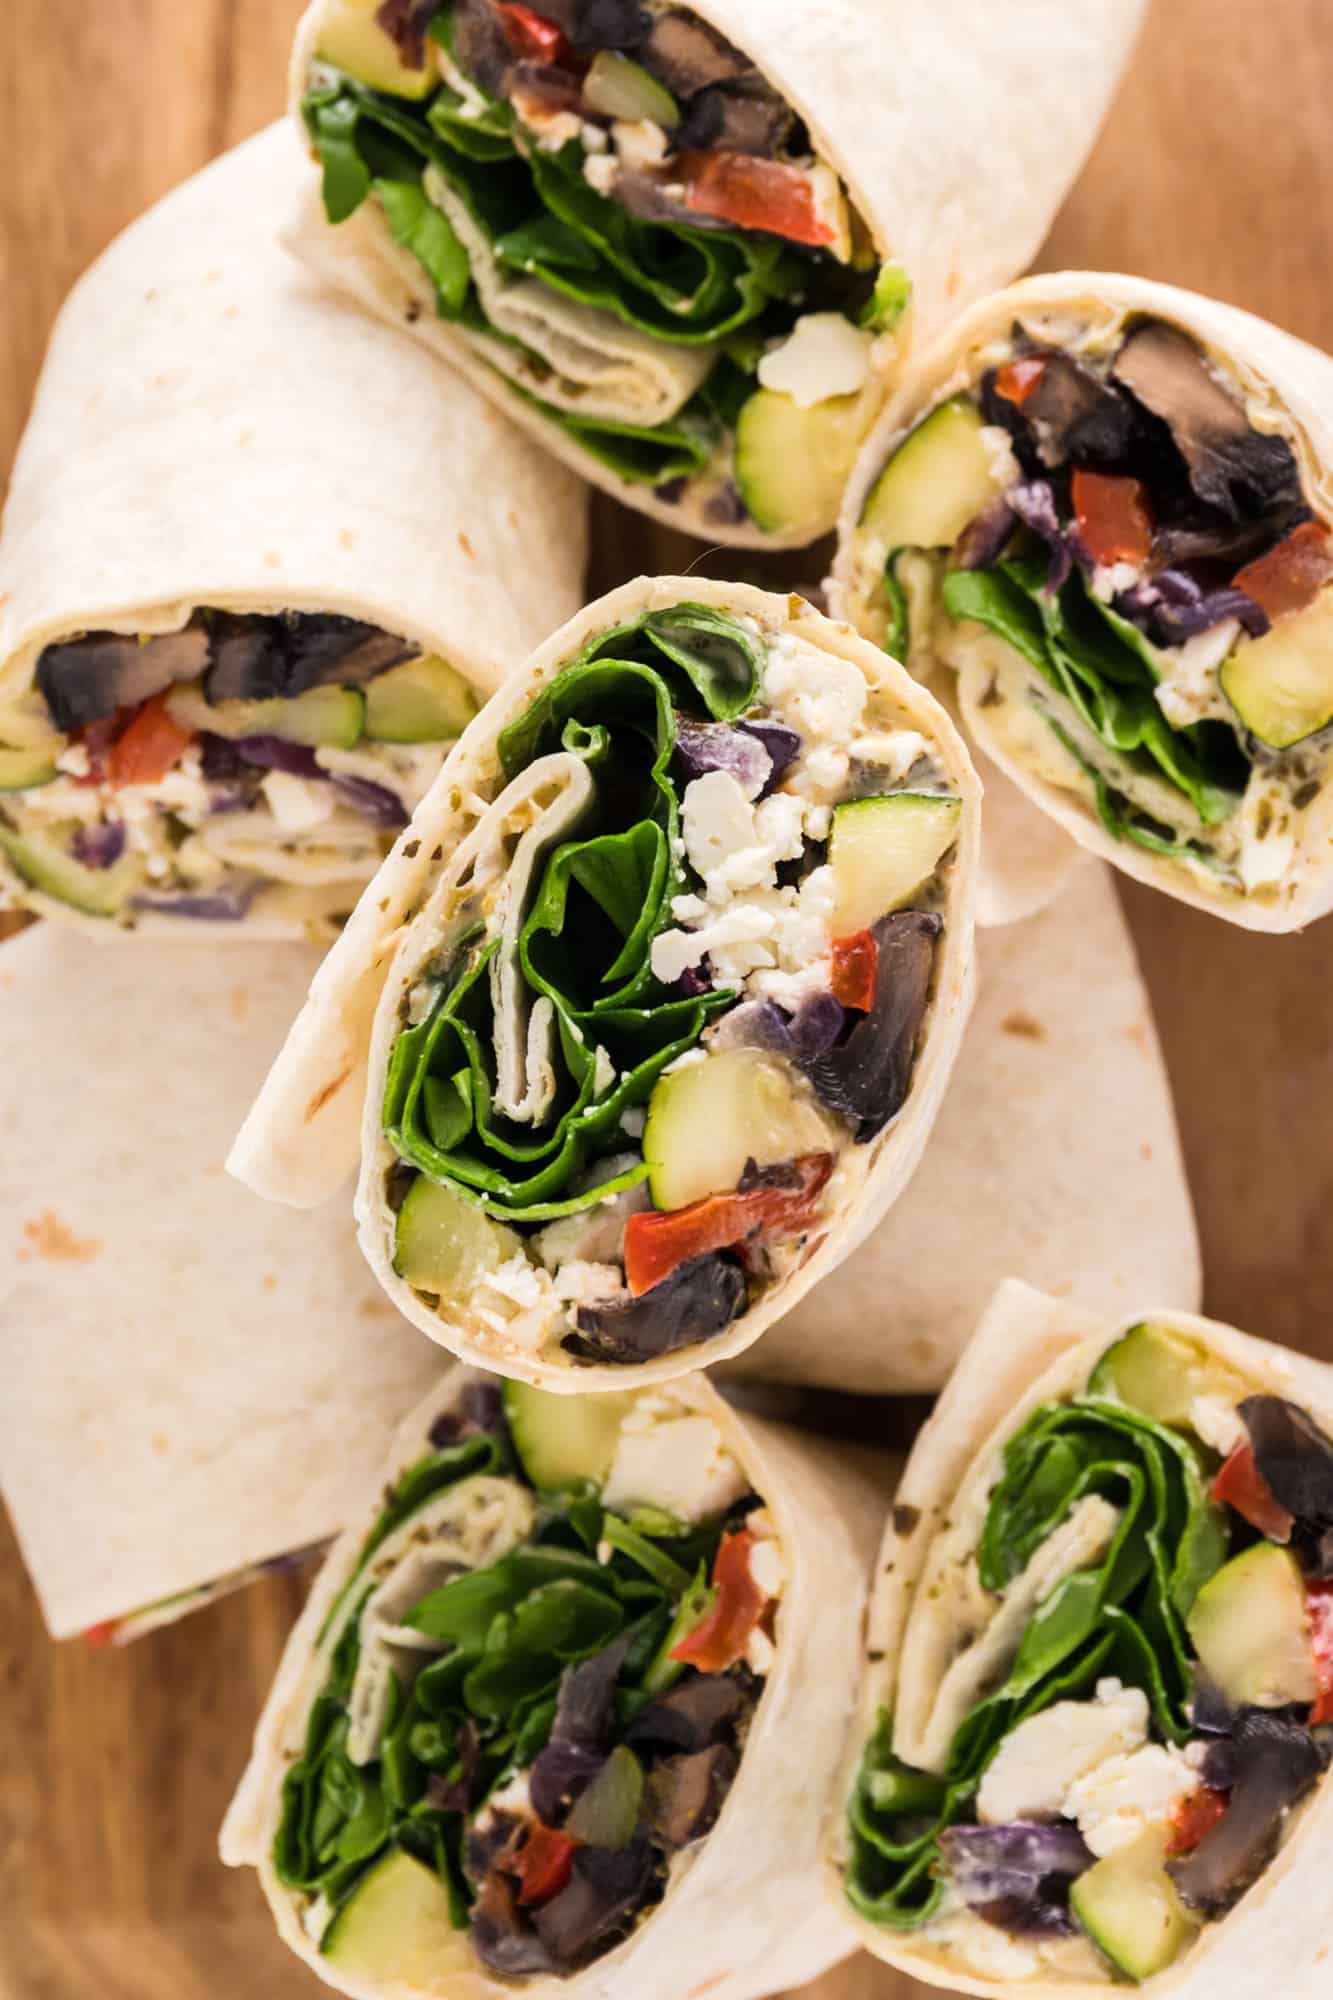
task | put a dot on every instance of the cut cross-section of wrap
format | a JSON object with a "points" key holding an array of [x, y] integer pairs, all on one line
{"points": [[686, 978], [561, 1701], [1107, 506], [1095, 1735], [244, 606], [686, 246]]}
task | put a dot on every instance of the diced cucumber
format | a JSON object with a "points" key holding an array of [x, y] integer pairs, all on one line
{"points": [[352, 39], [43, 859], [328, 717], [792, 465], [395, 1929], [619, 88], [884, 849], [1127, 1903], [560, 1439], [1281, 686], [445, 1244], [608, 1812], [423, 701], [1159, 1371], [706, 1120], [24, 770], [937, 481], [1251, 1629]]}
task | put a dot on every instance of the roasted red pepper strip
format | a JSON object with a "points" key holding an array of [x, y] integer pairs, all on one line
{"points": [[541, 1862], [149, 748], [101, 1635], [1319, 1603], [1017, 379], [754, 194], [659, 1241], [720, 1639], [1291, 576], [1113, 519], [855, 962], [1242, 1486], [1194, 1817], [530, 36]]}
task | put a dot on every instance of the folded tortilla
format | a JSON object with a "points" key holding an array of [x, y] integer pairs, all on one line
{"points": [[535, 971], [1167, 709], [933, 147], [219, 511], [191, 1374], [1055, 1156], [741, 1909], [1084, 1799]]}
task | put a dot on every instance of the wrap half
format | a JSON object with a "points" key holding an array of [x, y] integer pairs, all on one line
{"points": [[685, 246], [687, 968], [1094, 1736], [190, 1376], [560, 1701], [1055, 1156], [246, 599], [1107, 506]]}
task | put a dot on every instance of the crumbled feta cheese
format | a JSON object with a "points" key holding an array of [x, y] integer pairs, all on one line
{"points": [[642, 144], [1109, 579], [784, 929], [998, 446], [1036, 1764], [1216, 1420], [601, 171], [760, 1652], [1190, 689], [553, 130], [595, 139], [1122, 1796], [604, 1072], [297, 804], [823, 356], [579, 1283], [677, 1463], [718, 823], [892, 751], [518, 1281], [766, 1566], [821, 698], [633, 1120], [831, 208], [74, 760], [1267, 827]]}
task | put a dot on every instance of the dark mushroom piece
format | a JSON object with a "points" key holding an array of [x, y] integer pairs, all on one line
{"points": [[1018, 1876], [693, 1304], [480, 48], [501, 1936], [865, 1076], [740, 120], [684, 1795], [86, 680], [687, 55], [1276, 1760], [268, 659], [1296, 1460], [602, 24], [698, 1712], [606, 1888]]}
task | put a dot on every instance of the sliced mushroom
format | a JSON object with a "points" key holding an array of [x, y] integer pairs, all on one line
{"points": [[265, 659], [1276, 1761], [502, 1937], [86, 680], [605, 1888], [866, 1076], [684, 1795], [480, 46], [693, 1304], [687, 55], [699, 1711], [741, 120]]}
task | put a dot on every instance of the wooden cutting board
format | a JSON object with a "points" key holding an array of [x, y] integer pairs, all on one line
{"points": [[1217, 172]]}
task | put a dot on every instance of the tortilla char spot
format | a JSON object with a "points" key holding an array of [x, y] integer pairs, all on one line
{"points": [[161, 1443], [412, 849], [53, 1239], [231, 312], [272, 560], [511, 520], [905, 1518], [269, 1282], [1145, 1151], [346, 538], [1026, 1025], [238, 1003], [466, 546], [245, 437], [1137, 1033], [710, 1985], [321, 1097]]}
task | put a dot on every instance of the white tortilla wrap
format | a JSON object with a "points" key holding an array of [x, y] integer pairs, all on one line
{"points": [[956, 131], [1056, 1155], [1285, 385], [294, 1146], [744, 1911], [191, 1376], [211, 429], [1030, 1349]]}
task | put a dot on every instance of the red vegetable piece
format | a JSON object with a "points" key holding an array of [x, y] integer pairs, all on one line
{"points": [[1291, 576], [1194, 1817], [855, 962], [720, 1638], [149, 748], [1017, 380], [541, 1861], [1241, 1485], [102, 1634], [754, 193], [531, 37], [1319, 1604], [1113, 519], [659, 1241]]}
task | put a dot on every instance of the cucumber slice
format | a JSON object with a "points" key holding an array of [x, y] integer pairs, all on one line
{"points": [[937, 481], [445, 1244], [24, 770], [423, 701], [706, 1120], [43, 859], [1159, 1371], [1251, 1629], [619, 88], [884, 849], [1281, 686], [1128, 1905], [561, 1439], [792, 465], [329, 717], [395, 1929], [351, 38]]}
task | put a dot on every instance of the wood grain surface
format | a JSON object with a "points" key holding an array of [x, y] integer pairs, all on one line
{"points": [[1215, 171]]}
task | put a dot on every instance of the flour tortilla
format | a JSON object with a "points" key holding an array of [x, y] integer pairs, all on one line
{"points": [[745, 1915], [957, 130], [1030, 1349], [1055, 1156], [192, 1378], [1283, 382], [212, 429], [299, 1140]]}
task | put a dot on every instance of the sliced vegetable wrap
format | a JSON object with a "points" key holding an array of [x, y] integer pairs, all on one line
{"points": [[1094, 1736], [560, 1701], [245, 606], [687, 969], [686, 246], [1107, 506], [192, 1375], [1057, 1142]]}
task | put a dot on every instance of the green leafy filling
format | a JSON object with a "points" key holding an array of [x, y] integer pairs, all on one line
{"points": [[1125, 1616]]}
